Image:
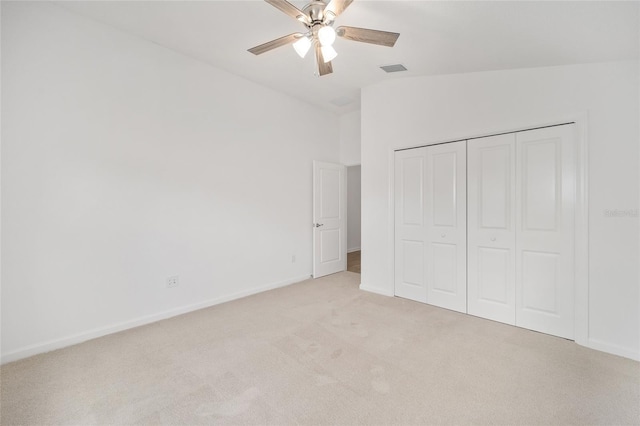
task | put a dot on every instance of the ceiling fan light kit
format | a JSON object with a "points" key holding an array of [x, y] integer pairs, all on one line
{"points": [[326, 35], [302, 46], [328, 53], [318, 17]]}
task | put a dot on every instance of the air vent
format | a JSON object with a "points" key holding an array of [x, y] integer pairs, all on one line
{"points": [[393, 68]]}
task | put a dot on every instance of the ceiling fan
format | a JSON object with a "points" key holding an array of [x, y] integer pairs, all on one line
{"points": [[318, 17]]}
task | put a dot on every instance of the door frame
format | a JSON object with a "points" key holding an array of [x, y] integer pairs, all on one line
{"points": [[581, 224]]}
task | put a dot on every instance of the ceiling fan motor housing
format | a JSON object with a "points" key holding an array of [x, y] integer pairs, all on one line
{"points": [[315, 12]]}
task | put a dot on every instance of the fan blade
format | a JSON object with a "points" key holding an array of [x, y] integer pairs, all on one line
{"points": [[270, 45], [289, 9], [337, 6], [364, 35], [323, 68]]}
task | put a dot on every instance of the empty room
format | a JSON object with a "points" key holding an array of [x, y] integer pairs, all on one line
{"points": [[320, 212]]}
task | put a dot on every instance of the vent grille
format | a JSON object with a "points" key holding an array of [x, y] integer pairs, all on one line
{"points": [[393, 68]]}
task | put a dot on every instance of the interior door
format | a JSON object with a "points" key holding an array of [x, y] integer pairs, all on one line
{"points": [[491, 227], [446, 227], [329, 219], [409, 192], [544, 234]]}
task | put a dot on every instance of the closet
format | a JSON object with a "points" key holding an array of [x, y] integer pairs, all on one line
{"points": [[485, 226], [430, 211]]}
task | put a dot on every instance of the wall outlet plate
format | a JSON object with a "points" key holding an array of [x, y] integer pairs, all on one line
{"points": [[172, 281]]}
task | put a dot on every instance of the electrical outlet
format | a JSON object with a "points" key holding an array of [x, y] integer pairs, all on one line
{"points": [[293, 258], [172, 281]]}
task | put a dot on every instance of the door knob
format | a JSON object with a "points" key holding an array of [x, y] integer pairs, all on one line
{"points": [[443, 235], [493, 238], [318, 225]]}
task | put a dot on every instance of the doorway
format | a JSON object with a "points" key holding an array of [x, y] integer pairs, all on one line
{"points": [[353, 218]]}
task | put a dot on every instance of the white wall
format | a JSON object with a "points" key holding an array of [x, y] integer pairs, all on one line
{"points": [[125, 163], [0, 185], [353, 208], [419, 111], [350, 138]]}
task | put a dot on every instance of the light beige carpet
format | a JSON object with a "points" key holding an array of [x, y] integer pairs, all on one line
{"points": [[323, 352]]}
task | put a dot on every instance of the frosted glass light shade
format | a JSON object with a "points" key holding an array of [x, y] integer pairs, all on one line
{"points": [[328, 53], [327, 35], [302, 46]]}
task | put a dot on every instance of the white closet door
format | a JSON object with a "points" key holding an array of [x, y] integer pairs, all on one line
{"points": [[544, 233], [410, 276], [491, 227], [445, 203]]}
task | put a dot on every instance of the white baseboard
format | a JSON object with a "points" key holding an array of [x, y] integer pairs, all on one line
{"points": [[591, 343], [613, 349], [364, 287], [74, 339], [351, 250]]}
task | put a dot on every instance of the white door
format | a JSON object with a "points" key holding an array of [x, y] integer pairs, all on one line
{"points": [[545, 180], [446, 226], [491, 227], [409, 193], [329, 219]]}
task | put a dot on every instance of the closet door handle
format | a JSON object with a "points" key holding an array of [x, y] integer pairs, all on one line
{"points": [[318, 225], [493, 238]]}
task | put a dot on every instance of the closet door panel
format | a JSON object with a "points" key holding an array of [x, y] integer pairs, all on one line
{"points": [[446, 226], [494, 285], [491, 227], [444, 268], [545, 221], [409, 192]]}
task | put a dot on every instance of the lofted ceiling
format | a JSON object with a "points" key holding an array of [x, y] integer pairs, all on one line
{"points": [[437, 37]]}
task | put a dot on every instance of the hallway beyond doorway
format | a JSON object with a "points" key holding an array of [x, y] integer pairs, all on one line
{"points": [[353, 261]]}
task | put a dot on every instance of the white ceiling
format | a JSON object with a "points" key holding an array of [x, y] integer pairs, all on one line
{"points": [[437, 37]]}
